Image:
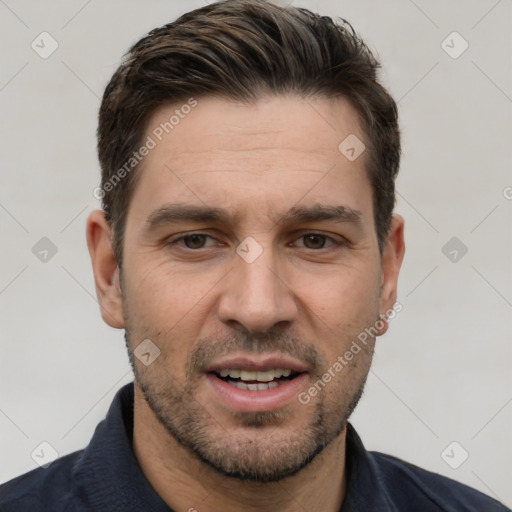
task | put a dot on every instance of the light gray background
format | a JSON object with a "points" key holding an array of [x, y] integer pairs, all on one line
{"points": [[441, 374]]}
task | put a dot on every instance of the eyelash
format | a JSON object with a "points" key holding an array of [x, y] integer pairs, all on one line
{"points": [[332, 240]]}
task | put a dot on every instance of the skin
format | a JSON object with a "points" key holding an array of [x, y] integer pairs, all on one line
{"points": [[305, 298]]}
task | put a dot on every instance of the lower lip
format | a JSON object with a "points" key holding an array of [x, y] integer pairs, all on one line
{"points": [[256, 401]]}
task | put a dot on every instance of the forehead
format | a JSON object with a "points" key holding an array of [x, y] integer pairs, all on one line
{"points": [[252, 155], [283, 122]]}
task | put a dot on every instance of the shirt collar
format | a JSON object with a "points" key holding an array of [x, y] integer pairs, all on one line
{"points": [[110, 476], [366, 489]]}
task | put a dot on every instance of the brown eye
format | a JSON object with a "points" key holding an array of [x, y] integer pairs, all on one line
{"points": [[313, 241], [194, 241]]}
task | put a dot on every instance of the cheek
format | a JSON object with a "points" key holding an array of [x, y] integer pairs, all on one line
{"points": [[345, 295], [165, 308], [159, 290], [337, 310], [162, 301]]}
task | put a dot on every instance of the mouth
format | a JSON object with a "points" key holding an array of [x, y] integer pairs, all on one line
{"points": [[256, 380], [255, 386]]}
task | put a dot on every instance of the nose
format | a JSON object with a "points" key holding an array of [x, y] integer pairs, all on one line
{"points": [[256, 297]]}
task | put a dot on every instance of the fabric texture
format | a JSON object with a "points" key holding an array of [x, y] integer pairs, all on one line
{"points": [[106, 477]]}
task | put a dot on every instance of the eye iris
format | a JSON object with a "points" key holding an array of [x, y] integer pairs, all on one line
{"points": [[194, 241], [314, 241]]}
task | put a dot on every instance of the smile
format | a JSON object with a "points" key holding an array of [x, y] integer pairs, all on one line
{"points": [[256, 380], [256, 384]]}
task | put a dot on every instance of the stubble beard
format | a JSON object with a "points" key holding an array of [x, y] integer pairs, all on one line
{"points": [[263, 448]]}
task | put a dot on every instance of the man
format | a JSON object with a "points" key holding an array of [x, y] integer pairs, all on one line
{"points": [[248, 247]]}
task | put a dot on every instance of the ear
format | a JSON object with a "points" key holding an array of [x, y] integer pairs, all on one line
{"points": [[106, 271], [391, 261]]}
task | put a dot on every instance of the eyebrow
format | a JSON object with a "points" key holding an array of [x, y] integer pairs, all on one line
{"points": [[172, 213], [319, 212]]}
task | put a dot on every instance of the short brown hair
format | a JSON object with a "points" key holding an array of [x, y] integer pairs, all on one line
{"points": [[244, 49]]}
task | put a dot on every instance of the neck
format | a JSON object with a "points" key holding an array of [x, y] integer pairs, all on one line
{"points": [[185, 483]]}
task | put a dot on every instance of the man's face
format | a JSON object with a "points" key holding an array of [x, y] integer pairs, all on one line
{"points": [[266, 260]]}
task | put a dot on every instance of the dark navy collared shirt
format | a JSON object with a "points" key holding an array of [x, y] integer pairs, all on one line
{"points": [[105, 477]]}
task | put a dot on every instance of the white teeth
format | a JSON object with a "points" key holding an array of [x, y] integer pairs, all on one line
{"points": [[235, 374], [262, 376], [244, 375], [261, 386], [265, 376]]}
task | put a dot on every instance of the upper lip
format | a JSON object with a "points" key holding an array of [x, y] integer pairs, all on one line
{"points": [[251, 363]]}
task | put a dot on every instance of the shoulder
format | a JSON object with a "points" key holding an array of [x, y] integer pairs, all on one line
{"points": [[412, 486], [42, 489]]}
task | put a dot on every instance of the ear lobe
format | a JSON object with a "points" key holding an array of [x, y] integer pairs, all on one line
{"points": [[105, 269], [391, 261]]}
